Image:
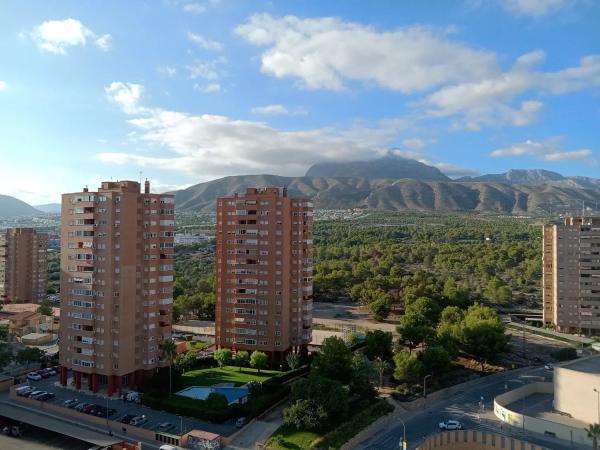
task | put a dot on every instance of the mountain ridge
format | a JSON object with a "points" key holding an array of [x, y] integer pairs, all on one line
{"points": [[13, 207]]}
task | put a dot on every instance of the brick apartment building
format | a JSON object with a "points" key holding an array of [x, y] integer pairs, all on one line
{"points": [[23, 265], [116, 284], [264, 272], [571, 275]]}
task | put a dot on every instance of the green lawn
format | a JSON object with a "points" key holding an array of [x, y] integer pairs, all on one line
{"points": [[227, 374], [292, 439]]}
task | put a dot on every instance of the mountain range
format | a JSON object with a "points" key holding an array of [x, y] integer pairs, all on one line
{"points": [[12, 207], [392, 183]]}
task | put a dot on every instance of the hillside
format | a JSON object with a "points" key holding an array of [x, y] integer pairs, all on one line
{"points": [[49, 208], [12, 207], [392, 167], [397, 195], [537, 177]]}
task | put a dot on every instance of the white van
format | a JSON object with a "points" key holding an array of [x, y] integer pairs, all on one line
{"points": [[167, 447]]}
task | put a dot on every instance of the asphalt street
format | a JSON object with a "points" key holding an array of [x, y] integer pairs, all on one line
{"points": [[465, 407]]}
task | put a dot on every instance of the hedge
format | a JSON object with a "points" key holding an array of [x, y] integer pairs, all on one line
{"points": [[204, 410], [347, 430]]}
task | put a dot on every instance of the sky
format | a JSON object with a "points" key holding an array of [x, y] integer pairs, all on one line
{"points": [[186, 91]]}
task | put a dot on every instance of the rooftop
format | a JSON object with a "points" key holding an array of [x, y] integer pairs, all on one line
{"points": [[14, 308], [589, 365]]}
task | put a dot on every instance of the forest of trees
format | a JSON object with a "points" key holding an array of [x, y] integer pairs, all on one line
{"points": [[389, 259]]}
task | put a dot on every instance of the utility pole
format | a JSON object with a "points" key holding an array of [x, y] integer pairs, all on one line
{"points": [[403, 444]]}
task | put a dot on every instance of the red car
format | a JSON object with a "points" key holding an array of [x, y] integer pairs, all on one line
{"points": [[43, 373]]}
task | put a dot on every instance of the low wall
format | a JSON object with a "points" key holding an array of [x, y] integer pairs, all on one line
{"points": [[6, 383], [534, 424], [474, 440]]}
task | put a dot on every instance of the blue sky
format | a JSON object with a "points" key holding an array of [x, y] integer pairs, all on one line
{"points": [[191, 90]]}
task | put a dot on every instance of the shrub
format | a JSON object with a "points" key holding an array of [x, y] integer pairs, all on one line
{"points": [[565, 354]]}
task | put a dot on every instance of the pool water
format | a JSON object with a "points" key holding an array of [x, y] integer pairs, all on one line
{"points": [[232, 394]]}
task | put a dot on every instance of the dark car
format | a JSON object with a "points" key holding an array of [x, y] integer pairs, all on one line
{"points": [[46, 396], [43, 374], [88, 408], [127, 418]]}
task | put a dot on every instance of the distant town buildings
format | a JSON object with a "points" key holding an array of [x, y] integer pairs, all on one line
{"points": [[23, 265], [264, 266], [187, 239], [571, 275], [116, 284]]}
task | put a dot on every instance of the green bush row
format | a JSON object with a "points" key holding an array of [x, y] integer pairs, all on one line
{"points": [[206, 410], [344, 432]]}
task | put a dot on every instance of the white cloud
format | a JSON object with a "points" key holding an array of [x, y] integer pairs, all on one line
{"points": [[547, 150], [209, 88], [104, 42], [3, 85], [195, 8], [127, 95], [491, 101], [279, 109], [270, 109], [325, 53], [167, 71], [56, 36], [210, 145], [204, 43], [414, 143], [207, 70], [535, 8]]}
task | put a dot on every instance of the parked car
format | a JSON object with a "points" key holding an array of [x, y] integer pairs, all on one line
{"points": [[81, 406], [132, 396], [70, 403], [34, 376], [46, 396], [35, 395], [240, 422], [548, 366], [127, 418], [165, 426], [138, 421], [88, 408], [451, 425], [23, 390], [43, 373], [50, 371]]}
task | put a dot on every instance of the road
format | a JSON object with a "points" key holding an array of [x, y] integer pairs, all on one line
{"points": [[464, 406]]}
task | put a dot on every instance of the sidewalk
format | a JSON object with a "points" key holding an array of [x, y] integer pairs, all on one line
{"points": [[258, 431], [551, 333]]}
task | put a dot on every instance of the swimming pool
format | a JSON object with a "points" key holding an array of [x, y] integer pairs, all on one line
{"points": [[232, 394]]}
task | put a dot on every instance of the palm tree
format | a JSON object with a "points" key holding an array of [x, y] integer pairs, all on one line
{"points": [[380, 366], [593, 433], [168, 350]]}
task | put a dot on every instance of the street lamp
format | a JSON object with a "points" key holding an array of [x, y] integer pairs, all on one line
{"points": [[425, 385], [402, 443], [598, 395]]}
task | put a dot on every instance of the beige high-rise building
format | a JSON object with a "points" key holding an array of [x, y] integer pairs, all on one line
{"points": [[23, 265], [264, 272], [571, 275], [116, 284]]}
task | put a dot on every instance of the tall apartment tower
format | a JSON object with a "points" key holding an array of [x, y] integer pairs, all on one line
{"points": [[571, 275], [264, 272], [116, 284], [23, 265]]}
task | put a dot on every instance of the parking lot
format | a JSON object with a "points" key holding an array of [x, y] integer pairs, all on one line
{"points": [[123, 408]]}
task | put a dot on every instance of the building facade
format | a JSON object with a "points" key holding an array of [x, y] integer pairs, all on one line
{"points": [[23, 265], [264, 261], [116, 284], [571, 275]]}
